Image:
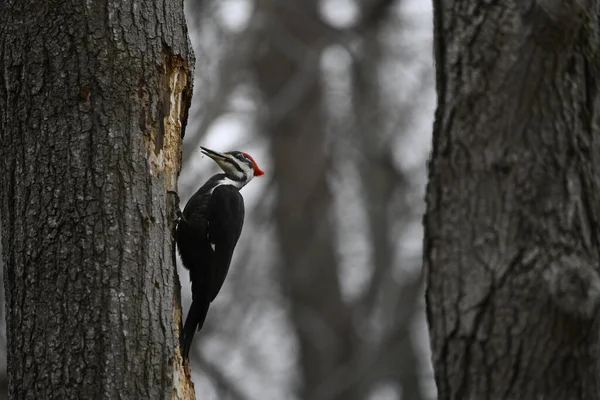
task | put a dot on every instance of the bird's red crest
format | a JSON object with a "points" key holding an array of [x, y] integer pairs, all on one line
{"points": [[257, 171]]}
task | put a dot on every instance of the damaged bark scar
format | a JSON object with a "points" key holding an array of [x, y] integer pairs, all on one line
{"points": [[184, 389], [574, 286], [165, 134]]}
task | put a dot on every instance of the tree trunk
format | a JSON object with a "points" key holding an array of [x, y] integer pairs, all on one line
{"points": [[511, 231], [93, 101], [289, 76]]}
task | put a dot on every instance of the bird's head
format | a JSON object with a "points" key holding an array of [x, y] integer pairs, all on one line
{"points": [[238, 166]]}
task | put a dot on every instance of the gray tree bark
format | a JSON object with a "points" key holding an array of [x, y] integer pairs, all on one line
{"points": [[3, 370], [512, 236], [93, 101]]}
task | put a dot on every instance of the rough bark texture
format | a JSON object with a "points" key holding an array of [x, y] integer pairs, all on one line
{"points": [[288, 74], [93, 99], [3, 370], [512, 225]]}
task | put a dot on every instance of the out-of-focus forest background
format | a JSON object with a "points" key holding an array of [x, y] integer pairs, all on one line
{"points": [[334, 99]]}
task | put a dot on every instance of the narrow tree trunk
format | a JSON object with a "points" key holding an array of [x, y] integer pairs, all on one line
{"points": [[93, 100], [512, 226], [289, 76]]}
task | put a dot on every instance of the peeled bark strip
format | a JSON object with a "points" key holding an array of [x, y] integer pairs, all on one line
{"points": [[512, 224], [93, 100]]}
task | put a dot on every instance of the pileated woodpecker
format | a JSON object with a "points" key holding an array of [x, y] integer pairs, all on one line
{"points": [[207, 232]]}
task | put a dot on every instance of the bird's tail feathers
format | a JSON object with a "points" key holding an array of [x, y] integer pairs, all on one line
{"points": [[195, 320]]}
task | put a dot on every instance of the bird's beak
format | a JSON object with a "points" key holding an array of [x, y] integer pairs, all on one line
{"points": [[222, 160], [213, 154]]}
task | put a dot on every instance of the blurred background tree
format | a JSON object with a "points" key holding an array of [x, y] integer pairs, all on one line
{"points": [[335, 101]]}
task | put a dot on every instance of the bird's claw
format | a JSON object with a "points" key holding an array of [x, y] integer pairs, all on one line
{"points": [[178, 213]]}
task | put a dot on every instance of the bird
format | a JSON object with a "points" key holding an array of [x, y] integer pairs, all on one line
{"points": [[207, 231]]}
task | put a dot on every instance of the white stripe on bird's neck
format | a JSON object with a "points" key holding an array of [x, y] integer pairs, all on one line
{"points": [[227, 181]]}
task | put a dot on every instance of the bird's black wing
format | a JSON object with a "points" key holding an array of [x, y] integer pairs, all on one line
{"points": [[206, 240], [197, 257], [225, 221]]}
